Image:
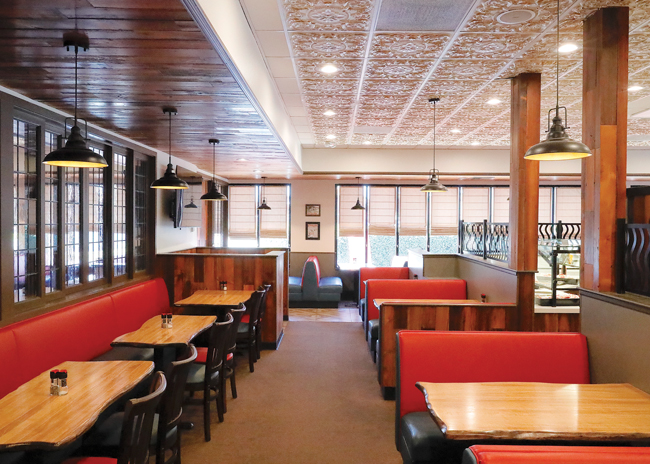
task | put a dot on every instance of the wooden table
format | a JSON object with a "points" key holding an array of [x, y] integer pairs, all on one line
{"points": [[152, 335], [217, 302], [539, 411], [31, 418]]}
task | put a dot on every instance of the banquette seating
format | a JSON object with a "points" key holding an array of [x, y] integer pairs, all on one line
{"points": [[504, 454], [442, 357], [80, 332], [312, 290], [444, 289], [366, 273]]}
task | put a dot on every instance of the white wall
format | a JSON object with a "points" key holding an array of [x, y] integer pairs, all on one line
{"points": [[322, 192]]}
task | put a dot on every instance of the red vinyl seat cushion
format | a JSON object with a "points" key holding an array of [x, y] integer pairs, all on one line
{"points": [[90, 460], [366, 273], [246, 319], [504, 454], [202, 354]]}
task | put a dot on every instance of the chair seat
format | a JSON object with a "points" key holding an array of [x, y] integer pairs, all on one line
{"points": [[243, 328], [202, 354], [197, 374], [295, 284], [108, 433], [90, 460], [330, 285]]}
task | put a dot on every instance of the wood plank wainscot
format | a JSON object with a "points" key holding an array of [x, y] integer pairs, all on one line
{"points": [[187, 271], [401, 314]]}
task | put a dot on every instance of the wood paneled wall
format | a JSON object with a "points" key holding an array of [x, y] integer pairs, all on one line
{"points": [[186, 272]]}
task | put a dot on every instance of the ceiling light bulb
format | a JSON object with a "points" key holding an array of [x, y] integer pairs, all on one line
{"points": [[242, 159], [330, 137], [256, 170], [567, 48], [634, 88], [475, 143], [493, 101], [329, 68], [455, 131], [367, 142], [329, 113]]}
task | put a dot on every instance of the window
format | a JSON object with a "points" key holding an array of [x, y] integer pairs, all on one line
{"points": [[412, 220], [51, 199], [72, 226], [382, 240], [351, 237], [119, 214], [568, 204], [217, 226], [443, 221], [250, 227], [475, 204], [545, 204], [96, 221], [501, 204], [142, 199]]}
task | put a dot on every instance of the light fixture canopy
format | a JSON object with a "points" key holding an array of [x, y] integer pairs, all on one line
{"points": [[358, 204], [169, 180], [75, 153], [214, 194], [558, 145], [264, 205], [434, 184]]}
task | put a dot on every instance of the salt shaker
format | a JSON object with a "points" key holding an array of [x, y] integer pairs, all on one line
{"points": [[54, 382], [169, 321], [483, 298], [163, 319], [63, 382]]}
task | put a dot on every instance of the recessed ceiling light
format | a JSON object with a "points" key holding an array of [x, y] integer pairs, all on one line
{"points": [[634, 88], [475, 143], [455, 131], [517, 16], [567, 48], [330, 137], [256, 170], [493, 101], [329, 68], [367, 142], [329, 113], [242, 159]]}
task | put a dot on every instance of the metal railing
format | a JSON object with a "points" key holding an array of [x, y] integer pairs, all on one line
{"points": [[485, 239], [633, 258], [559, 230]]}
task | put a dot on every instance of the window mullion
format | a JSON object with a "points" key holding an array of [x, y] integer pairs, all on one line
{"points": [[84, 217], [130, 214], [40, 208], [107, 243]]}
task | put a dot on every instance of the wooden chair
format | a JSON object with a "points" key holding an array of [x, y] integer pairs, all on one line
{"points": [[258, 330], [247, 331], [207, 377], [136, 428]]}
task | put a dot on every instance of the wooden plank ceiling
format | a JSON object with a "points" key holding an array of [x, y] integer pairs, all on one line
{"points": [[143, 54]]}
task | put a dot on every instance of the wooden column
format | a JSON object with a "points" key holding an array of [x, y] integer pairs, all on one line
{"points": [[524, 191], [604, 131]]}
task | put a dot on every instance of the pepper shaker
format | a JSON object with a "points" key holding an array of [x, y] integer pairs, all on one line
{"points": [[63, 382]]}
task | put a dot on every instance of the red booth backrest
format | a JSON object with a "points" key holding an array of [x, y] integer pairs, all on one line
{"points": [[443, 357], [444, 289], [508, 454], [79, 332], [366, 273]]}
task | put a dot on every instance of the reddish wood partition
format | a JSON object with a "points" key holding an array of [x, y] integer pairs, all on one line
{"points": [[203, 268]]}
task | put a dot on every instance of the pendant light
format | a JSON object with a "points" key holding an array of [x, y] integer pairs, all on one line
{"points": [[214, 194], [558, 145], [169, 180], [75, 153], [263, 205], [191, 204], [434, 184], [358, 205]]}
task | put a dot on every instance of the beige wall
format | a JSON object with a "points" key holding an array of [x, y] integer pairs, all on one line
{"points": [[321, 192]]}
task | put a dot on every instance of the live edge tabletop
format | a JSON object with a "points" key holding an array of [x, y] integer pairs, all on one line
{"points": [[216, 298], [31, 418], [539, 411], [151, 334]]}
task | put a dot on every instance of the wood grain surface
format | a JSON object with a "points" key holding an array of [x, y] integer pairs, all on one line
{"points": [[151, 334], [216, 298], [539, 411], [31, 418]]}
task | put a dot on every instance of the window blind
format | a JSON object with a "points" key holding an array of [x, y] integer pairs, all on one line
{"points": [[568, 204], [412, 220], [545, 204], [444, 212], [381, 219], [350, 221], [273, 222], [476, 204], [501, 212], [242, 208]]}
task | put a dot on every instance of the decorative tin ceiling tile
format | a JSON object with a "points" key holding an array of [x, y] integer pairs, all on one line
{"points": [[327, 87], [467, 69], [369, 112], [327, 15], [486, 16], [311, 69], [488, 46], [404, 140], [377, 101], [397, 69], [408, 46], [359, 139], [388, 87], [375, 122], [639, 46], [328, 45], [445, 89]]}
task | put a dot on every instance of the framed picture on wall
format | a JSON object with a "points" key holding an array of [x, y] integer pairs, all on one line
{"points": [[312, 210], [312, 231]]}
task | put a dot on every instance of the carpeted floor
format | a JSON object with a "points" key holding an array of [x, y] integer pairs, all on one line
{"points": [[315, 400]]}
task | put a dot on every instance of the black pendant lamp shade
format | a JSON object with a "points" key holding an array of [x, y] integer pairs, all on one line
{"points": [[191, 204], [169, 180], [558, 145], [434, 184], [358, 205], [75, 153], [264, 205], [214, 194]]}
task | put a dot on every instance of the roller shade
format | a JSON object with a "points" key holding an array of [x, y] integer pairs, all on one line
{"points": [[501, 212], [412, 210], [350, 221], [273, 222], [242, 208], [476, 201], [444, 212], [568, 204], [381, 219], [545, 204]]}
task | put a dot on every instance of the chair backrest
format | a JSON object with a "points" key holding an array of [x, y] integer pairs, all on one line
{"points": [[171, 406], [138, 423], [266, 288], [231, 335], [253, 304], [216, 346]]}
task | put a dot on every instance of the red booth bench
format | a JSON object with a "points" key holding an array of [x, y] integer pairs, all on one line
{"points": [[80, 332], [503, 454], [366, 273], [454, 357], [443, 289]]}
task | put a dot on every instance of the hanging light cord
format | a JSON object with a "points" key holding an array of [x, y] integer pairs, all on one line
{"points": [[76, 53], [434, 137], [214, 179], [170, 137], [557, 64]]}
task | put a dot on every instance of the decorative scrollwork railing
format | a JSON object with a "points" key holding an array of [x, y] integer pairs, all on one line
{"points": [[559, 230], [486, 239], [633, 258]]}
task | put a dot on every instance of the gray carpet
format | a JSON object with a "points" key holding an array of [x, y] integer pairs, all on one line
{"points": [[315, 400]]}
